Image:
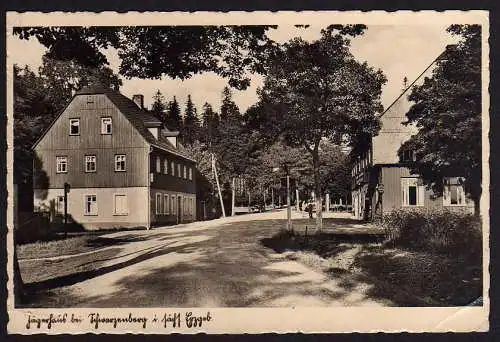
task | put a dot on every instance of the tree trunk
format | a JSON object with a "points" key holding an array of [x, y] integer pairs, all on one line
{"points": [[249, 200], [19, 292], [477, 207], [233, 198], [317, 190]]}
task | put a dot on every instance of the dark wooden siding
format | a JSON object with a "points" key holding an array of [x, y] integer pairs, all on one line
{"points": [[105, 176], [123, 140], [392, 197], [169, 181]]}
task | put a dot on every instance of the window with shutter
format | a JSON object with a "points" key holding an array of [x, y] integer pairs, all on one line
{"points": [[121, 205]]}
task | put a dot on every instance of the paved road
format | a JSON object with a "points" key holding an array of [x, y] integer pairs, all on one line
{"points": [[220, 263]]}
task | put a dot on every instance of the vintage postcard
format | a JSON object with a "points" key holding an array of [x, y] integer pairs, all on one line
{"points": [[250, 172]]}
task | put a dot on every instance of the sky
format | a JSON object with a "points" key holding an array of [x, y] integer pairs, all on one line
{"points": [[397, 50]]}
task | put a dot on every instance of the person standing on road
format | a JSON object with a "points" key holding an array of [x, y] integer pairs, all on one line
{"points": [[310, 210]]}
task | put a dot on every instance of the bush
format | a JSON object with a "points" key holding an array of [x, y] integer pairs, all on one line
{"points": [[446, 231]]}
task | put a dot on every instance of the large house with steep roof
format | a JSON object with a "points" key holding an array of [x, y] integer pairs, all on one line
{"points": [[123, 168], [381, 180]]}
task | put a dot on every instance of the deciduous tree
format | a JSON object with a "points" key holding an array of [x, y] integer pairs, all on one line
{"points": [[152, 52], [317, 90]]}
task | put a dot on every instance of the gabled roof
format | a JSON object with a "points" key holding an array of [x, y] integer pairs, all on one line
{"points": [[139, 118], [441, 56]]}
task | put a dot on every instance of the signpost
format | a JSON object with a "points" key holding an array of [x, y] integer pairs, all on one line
{"points": [[380, 190], [66, 190]]}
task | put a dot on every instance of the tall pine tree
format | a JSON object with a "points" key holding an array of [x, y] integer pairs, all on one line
{"points": [[209, 125], [174, 120], [228, 109], [158, 107], [191, 128]]}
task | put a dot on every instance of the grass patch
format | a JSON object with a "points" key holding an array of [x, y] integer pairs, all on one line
{"points": [[405, 277], [34, 271], [433, 278], [71, 243], [63, 246]]}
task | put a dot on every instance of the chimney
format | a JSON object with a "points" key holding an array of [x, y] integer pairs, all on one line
{"points": [[139, 100]]}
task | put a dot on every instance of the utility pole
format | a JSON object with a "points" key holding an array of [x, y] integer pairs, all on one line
{"points": [[233, 198], [264, 192], [288, 202], [288, 199], [218, 186]]}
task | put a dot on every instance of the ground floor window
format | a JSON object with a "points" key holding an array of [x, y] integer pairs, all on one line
{"points": [[413, 192], [90, 204], [60, 204], [173, 207], [453, 191], [166, 209], [120, 204], [158, 204]]}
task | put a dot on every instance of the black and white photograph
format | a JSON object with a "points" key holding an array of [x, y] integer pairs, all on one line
{"points": [[247, 172]]}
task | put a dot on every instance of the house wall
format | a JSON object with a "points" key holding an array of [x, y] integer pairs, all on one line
{"points": [[392, 196], [105, 175], [136, 182], [123, 140], [393, 133], [137, 200], [169, 181], [174, 215], [90, 113]]}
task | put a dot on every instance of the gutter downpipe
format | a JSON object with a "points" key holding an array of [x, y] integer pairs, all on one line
{"points": [[149, 186]]}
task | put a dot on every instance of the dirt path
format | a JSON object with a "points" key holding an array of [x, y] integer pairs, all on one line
{"points": [[208, 264]]}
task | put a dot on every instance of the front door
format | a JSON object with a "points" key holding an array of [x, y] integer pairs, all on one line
{"points": [[179, 209]]}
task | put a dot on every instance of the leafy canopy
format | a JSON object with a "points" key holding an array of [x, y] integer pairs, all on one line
{"points": [[151, 52], [318, 90], [447, 111]]}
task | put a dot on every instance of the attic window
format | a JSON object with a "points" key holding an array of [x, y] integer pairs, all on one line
{"points": [[106, 125], [90, 99], [408, 156], [74, 126]]}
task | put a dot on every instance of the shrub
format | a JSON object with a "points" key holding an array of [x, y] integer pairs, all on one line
{"points": [[447, 231]]}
